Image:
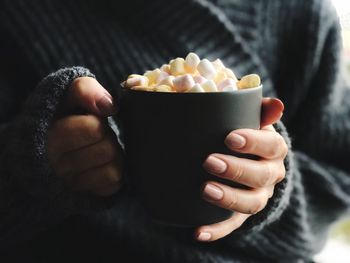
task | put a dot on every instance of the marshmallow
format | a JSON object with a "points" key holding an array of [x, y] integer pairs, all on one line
{"points": [[162, 75], [206, 69], [199, 79], [209, 86], [249, 81], [177, 67], [220, 76], [134, 76], [196, 88], [153, 75], [227, 83], [165, 68], [167, 81], [183, 83], [192, 61], [230, 73], [191, 75], [137, 81], [218, 65], [163, 88]]}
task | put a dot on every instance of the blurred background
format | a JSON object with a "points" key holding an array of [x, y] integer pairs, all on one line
{"points": [[337, 249]]}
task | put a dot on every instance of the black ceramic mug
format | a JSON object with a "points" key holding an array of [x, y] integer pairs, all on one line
{"points": [[168, 136]]}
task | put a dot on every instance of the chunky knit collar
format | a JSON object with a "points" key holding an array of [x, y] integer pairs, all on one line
{"points": [[203, 27], [193, 25]]}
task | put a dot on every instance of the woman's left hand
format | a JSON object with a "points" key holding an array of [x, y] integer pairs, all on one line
{"points": [[260, 176]]}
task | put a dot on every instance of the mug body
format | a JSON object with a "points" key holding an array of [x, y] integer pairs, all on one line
{"points": [[168, 136]]}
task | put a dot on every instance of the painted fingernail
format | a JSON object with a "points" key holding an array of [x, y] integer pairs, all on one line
{"points": [[204, 236], [235, 140], [213, 192], [215, 165], [281, 104], [281, 115], [106, 106]]}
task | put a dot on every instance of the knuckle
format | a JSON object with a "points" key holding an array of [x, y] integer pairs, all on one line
{"points": [[106, 151], [237, 172], [270, 192], [93, 128], [267, 177], [232, 202], [281, 148], [78, 86], [252, 142], [274, 149], [257, 207], [281, 174], [284, 148], [112, 174]]}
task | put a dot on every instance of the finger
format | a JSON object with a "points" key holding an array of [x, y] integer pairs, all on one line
{"points": [[219, 230], [88, 94], [264, 143], [76, 131], [86, 158], [271, 111], [244, 201], [252, 173], [104, 180]]}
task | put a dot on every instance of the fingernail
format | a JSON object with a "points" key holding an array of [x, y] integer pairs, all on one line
{"points": [[214, 165], [281, 115], [213, 192], [281, 103], [235, 140], [204, 236], [106, 106], [108, 95]]}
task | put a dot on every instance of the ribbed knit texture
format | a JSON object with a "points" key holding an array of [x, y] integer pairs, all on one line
{"points": [[294, 45]]}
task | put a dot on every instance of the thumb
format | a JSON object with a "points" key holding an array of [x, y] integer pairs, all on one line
{"points": [[271, 112], [87, 94]]}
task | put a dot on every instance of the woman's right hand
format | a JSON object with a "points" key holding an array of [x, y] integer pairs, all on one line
{"points": [[82, 148]]}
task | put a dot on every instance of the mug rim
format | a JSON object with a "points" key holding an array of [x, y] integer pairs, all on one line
{"points": [[196, 93]]}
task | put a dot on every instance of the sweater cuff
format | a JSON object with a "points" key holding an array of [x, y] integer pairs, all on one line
{"points": [[27, 146], [282, 193]]}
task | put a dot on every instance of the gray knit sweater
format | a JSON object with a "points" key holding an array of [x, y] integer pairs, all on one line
{"points": [[294, 45]]}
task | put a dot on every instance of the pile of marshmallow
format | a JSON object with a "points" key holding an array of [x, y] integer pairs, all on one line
{"points": [[191, 75]]}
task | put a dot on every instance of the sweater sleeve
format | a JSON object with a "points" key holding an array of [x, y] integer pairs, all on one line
{"points": [[316, 191], [32, 197]]}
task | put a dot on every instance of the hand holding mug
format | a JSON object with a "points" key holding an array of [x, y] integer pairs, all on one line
{"points": [[260, 176], [82, 148]]}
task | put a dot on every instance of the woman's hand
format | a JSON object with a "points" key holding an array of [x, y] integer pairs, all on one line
{"points": [[82, 148], [260, 176]]}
